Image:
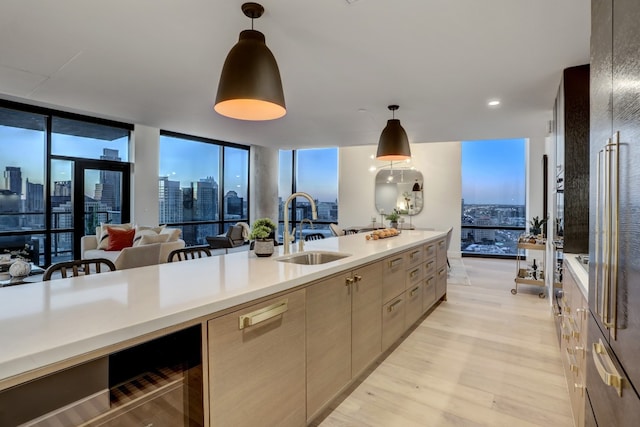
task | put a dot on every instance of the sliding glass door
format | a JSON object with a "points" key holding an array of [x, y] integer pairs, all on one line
{"points": [[62, 174]]}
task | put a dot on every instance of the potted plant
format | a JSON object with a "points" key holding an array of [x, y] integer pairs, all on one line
{"points": [[393, 219], [262, 234], [535, 225]]}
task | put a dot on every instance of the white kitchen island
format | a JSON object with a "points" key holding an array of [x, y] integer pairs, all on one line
{"points": [[49, 326]]}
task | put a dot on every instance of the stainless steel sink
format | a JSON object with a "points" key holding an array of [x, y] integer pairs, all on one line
{"points": [[312, 257]]}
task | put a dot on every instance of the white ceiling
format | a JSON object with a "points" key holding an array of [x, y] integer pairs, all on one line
{"points": [[157, 63]]}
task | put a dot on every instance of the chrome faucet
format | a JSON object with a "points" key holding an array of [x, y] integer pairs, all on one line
{"points": [[301, 240], [314, 215]]}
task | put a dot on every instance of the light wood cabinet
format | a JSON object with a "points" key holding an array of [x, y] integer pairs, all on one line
{"points": [[429, 250], [441, 283], [413, 310], [393, 275], [441, 253], [343, 331], [573, 344], [328, 340], [414, 256], [257, 364], [393, 314], [428, 292], [366, 319]]}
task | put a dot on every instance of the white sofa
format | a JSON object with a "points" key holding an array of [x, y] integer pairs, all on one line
{"points": [[89, 250]]}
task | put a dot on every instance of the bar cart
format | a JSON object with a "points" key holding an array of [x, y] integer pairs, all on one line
{"points": [[530, 274]]}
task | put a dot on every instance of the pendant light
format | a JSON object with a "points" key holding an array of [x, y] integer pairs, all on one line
{"points": [[250, 87], [393, 144]]}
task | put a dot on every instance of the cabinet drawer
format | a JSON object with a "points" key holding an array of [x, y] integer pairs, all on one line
{"points": [[414, 276], [429, 251], [392, 321], [441, 282], [429, 267], [414, 257], [428, 293], [413, 310], [441, 253], [257, 373], [393, 275]]}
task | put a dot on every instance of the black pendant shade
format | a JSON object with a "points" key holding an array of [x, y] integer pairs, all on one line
{"points": [[250, 87], [393, 144]]}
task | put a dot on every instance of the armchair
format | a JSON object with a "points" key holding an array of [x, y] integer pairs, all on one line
{"points": [[233, 238]]}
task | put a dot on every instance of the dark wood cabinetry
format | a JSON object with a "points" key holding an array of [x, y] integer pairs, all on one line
{"points": [[614, 244], [571, 133]]}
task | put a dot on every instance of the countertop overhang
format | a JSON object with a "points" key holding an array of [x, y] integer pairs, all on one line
{"points": [[580, 273], [49, 322]]}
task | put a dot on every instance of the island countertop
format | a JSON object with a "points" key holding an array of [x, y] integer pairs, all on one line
{"points": [[48, 322]]}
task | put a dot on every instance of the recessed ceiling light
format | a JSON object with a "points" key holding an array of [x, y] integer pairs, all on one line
{"points": [[493, 103]]}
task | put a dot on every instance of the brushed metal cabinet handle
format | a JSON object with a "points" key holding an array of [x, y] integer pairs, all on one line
{"points": [[396, 262], [393, 306], [610, 376], [263, 314]]}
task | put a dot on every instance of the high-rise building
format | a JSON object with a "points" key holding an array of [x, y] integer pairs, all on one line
{"points": [[111, 181], [170, 198], [13, 179], [9, 204], [233, 205], [34, 204], [207, 199]]}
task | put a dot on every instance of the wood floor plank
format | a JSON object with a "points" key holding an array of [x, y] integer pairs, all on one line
{"points": [[484, 357]]}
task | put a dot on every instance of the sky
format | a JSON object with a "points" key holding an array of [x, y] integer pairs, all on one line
{"points": [[493, 172]]}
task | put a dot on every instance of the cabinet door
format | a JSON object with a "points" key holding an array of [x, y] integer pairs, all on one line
{"points": [[257, 373], [393, 273], [366, 317], [626, 119], [328, 340], [392, 321]]}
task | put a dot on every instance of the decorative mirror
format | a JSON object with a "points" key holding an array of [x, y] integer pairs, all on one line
{"points": [[399, 189]]}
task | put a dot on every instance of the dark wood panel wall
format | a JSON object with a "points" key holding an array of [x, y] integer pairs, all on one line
{"points": [[572, 155]]}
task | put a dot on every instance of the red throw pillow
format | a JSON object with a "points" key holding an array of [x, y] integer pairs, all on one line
{"points": [[119, 238]]}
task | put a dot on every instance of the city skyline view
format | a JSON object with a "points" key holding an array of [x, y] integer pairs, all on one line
{"points": [[196, 196]]}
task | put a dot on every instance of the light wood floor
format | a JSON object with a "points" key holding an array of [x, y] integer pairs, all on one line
{"points": [[485, 357]]}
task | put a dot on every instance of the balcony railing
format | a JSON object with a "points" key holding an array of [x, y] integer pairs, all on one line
{"points": [[490, 240]]}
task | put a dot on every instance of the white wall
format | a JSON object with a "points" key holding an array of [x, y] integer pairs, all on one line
{"points": [[145, 155], [440, 164], [536, 148]]}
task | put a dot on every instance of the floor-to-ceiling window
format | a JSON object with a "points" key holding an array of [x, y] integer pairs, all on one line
{"points": [[203, 185], [493, 197], [313, 171], [63, 174]]}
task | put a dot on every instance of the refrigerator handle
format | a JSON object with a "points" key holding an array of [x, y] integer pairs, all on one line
{"points": [[615, 232]]}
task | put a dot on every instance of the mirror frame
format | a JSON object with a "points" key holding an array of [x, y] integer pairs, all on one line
{"points": [[398, 193]]}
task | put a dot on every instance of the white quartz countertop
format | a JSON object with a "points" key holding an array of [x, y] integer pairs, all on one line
{"points": [[48, 322], [579, 271]]}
